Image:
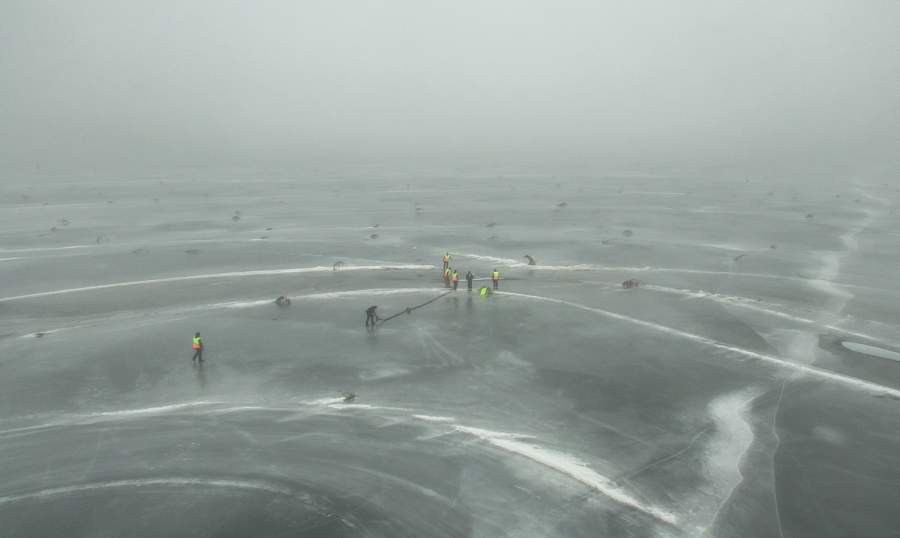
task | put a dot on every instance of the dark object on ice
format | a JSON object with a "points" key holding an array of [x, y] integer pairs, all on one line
{"points": [[237, 212], [627, 233], [530, 260], [156, 200], [64, 222], [491, 224], [53, 229], [469, 278], [562, 204], [348, 397], [110, 202], [857, 200], [606, 241], [39, 335], [738, 257], [264, 237], [282, 301], [268, 229], [102, 239], [770, 193], [773, 246], [373, 236], [809, 215], [139, 251], [235, 218], [631, 283], [492, 238], [192, 251], [337, 265]]}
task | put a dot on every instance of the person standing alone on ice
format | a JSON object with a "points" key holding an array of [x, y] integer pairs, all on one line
{"points": [[469, 278], [495, 278], [197, 346]]}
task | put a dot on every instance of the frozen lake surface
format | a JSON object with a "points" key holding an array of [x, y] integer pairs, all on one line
{"points": [[718, 398]]}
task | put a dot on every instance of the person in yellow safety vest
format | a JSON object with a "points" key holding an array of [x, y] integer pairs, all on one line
{"points": [[455, 280], [484, 291], [447, 274], [446, 260], [495, 278], [197, 346]]}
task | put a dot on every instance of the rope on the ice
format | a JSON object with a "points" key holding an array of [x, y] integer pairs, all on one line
{"points": [[410, 309]]}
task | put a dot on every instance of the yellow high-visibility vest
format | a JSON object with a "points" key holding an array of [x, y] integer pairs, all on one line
{"points": [[495, 275], [197, 343]]}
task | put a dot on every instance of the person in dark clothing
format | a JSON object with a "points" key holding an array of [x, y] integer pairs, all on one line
{"points": [[371, 317], [469, 278], [197, 346]]}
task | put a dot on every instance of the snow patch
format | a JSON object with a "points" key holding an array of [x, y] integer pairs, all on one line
{"points": [[872, 350]]}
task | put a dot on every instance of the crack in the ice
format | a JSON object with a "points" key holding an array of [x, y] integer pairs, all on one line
{"points": [[774, 453], [664, 459]]}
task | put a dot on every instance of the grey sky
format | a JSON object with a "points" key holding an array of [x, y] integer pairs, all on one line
{"points": [[777, 85]]}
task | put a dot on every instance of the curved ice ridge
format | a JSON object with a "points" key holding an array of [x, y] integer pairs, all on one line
{"points": [[516, 443], [568, 465], [757, 306], [331, 295], [509, 262], [802, 368], [513, 442], [176, 481], [233, 274], [100, 416]]}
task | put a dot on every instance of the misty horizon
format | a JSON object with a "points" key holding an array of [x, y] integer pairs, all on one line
{"points": [[793, 88]]}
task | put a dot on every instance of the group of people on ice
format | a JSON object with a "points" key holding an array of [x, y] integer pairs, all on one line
{"points": [[451, 277]]}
